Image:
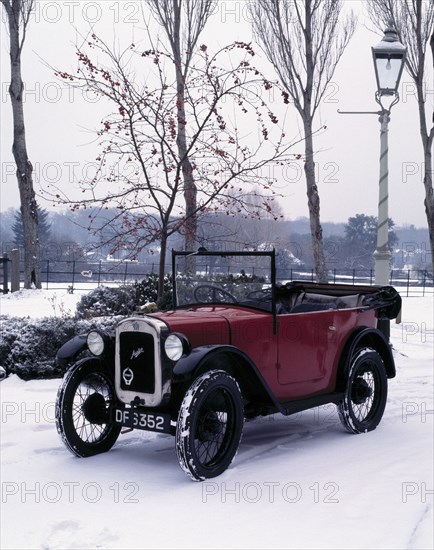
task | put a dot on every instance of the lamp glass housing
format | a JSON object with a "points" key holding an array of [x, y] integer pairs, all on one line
{"points": [[389, 60]]}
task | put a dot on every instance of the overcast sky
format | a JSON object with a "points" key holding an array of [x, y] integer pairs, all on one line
{"points": [[61, 148]]}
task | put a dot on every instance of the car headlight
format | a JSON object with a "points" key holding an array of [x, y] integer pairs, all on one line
{"points": [[95, 343], [175, 346]]}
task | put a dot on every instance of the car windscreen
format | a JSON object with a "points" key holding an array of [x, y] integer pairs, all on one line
{"points": [[224, 278]]}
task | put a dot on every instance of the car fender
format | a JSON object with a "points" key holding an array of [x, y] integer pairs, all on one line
{"points": [[97, 361], [231, 359], [365, 337], [71, 349]]}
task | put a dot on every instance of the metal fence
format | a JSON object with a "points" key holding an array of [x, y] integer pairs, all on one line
{"points": [[73, 274]]}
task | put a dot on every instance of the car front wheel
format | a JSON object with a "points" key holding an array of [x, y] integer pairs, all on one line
{"points": [[210, 424], [82, 410], [365, 397]]}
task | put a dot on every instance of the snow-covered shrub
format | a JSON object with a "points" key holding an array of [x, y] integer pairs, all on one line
{"points": [[28, 346], [147, 291], [125, 300], [10, 330], [104, 301]]}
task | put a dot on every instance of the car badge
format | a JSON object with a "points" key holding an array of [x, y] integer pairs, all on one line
{"points": [[128, 375], [136, 353]]}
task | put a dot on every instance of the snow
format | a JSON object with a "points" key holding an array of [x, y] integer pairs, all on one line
{"points": [[39, 303], [299, 482]]}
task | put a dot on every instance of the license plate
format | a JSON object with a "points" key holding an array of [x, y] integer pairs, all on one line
{"points": [[142, 420]]}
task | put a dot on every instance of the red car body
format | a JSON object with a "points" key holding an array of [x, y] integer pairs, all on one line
{"points": [[299, 360]]}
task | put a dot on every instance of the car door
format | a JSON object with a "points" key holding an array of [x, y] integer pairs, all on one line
{"points": [[307, 348]]}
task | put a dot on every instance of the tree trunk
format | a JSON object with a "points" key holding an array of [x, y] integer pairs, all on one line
{"points": [[429, 195], [314, 207], [427, 142], [162, 265], [428, 175], [190, 190], [32, 276], [309, 165]]}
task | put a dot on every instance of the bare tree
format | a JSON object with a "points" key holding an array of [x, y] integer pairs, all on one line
{"points": [[414, 22], [304, 41], [18, 15], [183, 21], [140, 166]]}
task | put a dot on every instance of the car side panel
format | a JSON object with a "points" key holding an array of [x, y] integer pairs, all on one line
{"points": [[300, 359], [310, 346], [254, 335]]}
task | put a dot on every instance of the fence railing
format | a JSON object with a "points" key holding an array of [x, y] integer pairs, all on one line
{"points": [[86, 276]]}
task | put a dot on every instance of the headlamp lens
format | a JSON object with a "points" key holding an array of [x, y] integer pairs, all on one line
{"points": [[95, 343], [173, 347]]}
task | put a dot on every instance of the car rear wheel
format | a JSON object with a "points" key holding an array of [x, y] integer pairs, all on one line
{"points": [[210, 425], [365, 397], [82, 410]]}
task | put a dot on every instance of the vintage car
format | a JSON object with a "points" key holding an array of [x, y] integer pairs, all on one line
{"points": [[237, 344]]}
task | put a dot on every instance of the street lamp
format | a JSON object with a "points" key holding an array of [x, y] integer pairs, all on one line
{"points": [[389, 59]]}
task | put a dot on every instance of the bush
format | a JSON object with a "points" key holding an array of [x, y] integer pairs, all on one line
{"points": [[28, 347], [11, 328], [147, 291], [105, 301], [124, 300]]}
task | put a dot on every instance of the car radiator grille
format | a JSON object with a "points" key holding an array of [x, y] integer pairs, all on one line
{"points": [[137, 362]]}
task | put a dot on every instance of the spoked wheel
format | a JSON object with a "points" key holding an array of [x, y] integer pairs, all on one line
{"points": [[82, 410], [209, 425], [365, 397]]}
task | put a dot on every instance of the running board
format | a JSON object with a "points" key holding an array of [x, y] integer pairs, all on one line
{"points": [[292, 407]]}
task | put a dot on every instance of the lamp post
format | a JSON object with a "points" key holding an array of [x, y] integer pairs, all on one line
{"points": [[389, 59]]}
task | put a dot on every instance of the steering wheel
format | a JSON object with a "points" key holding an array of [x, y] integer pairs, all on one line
{"points": [[263, 294], [212, 293]]}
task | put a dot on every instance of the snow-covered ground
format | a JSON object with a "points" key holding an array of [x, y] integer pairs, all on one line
{"points": [[296, 482]]}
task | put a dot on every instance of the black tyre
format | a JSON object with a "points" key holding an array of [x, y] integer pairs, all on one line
{"points": [[365, 397], [82, 410], [210, 424]]}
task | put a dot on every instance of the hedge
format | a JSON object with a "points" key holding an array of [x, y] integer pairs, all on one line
{"points": [[28, 347]]}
